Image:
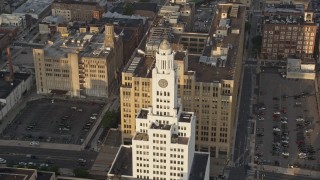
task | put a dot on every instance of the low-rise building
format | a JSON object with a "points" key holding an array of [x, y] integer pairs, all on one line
{"points": [[297, 69], [49, 24], [25, 174], [37, 9], [83, 64], [288, 31], [11, 91], [17, 20], [72, 10]]}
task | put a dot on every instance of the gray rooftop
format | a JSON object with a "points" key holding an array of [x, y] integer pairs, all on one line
{"points": [[199, 166], [33, 6], [7, 87], [185, 117], [123, 163]]}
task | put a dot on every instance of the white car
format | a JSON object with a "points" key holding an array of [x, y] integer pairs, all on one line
{"points": [[31, 164], [261, 118], [302, 155], [284, 122], [34, 143], [93, 117], [23, 163], [276, 129], [44, 165], [276, 113], [299, 119], [309, 130], [285, 154], [3, 161], [285, 141]]}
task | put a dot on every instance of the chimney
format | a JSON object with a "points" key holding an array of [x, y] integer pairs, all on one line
{"points": [[109, 35], [10, 67]]}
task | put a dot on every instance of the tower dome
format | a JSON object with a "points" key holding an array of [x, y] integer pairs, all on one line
{"points": [[165, 45]]}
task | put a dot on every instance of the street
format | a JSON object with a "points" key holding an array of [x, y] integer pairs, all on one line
{"points": [[60, 158]]}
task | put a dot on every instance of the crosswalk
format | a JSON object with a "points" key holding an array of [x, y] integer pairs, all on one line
{"points": [[251, 174]]}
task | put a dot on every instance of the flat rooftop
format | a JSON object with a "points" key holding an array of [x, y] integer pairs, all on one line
{"points": [[199, 166], [92, 2], [123, 163], [16, 174], [185, 117], [119, 22], [42, 175], [141, 137], [7, 87], [86, 44], [143, 114], [140, 66], [160, 126], [33, 7]]}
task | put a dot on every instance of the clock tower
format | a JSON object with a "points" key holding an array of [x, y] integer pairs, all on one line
{"points": [[164, 82]]}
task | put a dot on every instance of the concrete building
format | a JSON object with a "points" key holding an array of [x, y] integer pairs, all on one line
{"points": [[25, 174], [208, 84], [85, 64], [12, 91], [49, 24], [296, 69], [16, 20], [37, 9], [72, 10], [288, 32], [164, 141]]}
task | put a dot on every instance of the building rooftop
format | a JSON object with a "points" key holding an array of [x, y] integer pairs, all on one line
{"points": [[16, 174], [160, 126], [199, 166], [122, 165], [143, 114], [141, 137], [176, 139], [185, 117], [90, 2], [86, 44], [42, 175], [7, 87], [140, 66], [122, 22], [33, 7]]}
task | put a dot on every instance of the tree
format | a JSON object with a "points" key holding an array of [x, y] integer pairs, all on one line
{"points": [[128, 9], [110, 119], [247, 27], [81, 173], [256, 43]]}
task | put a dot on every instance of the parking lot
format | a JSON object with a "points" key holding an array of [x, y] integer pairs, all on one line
{"points": [[287, 123], [56, 121]]}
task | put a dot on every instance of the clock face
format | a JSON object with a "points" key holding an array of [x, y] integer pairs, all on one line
{"points": [[163, 83]]}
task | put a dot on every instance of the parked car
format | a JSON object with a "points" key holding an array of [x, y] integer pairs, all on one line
{"points": [[3, 161], [299, 119], [34, 143], [302, 155], [93, 117], [285, 153], [261, 118], [276, 129], [23, 163]]}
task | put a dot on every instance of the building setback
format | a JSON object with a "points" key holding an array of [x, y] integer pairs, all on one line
{"points": [[164, 141], [86, 64]]}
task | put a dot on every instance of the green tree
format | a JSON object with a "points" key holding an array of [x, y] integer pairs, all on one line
{"points": [[81, 173], [256, 43], [247, 27], [128, 9], [54, 169], [110, 119]]}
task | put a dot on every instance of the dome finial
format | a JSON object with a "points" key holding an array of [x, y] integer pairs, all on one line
{"points": [[165, 45]]}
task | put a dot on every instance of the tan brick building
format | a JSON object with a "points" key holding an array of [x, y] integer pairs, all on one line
{"points": [[207, 85], [86, 64], [72, 10]]}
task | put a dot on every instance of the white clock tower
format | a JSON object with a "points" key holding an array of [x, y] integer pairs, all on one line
{"points": [[164, 82]]}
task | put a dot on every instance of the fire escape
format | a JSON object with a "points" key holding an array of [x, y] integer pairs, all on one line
{"points": [[81, 77]]}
